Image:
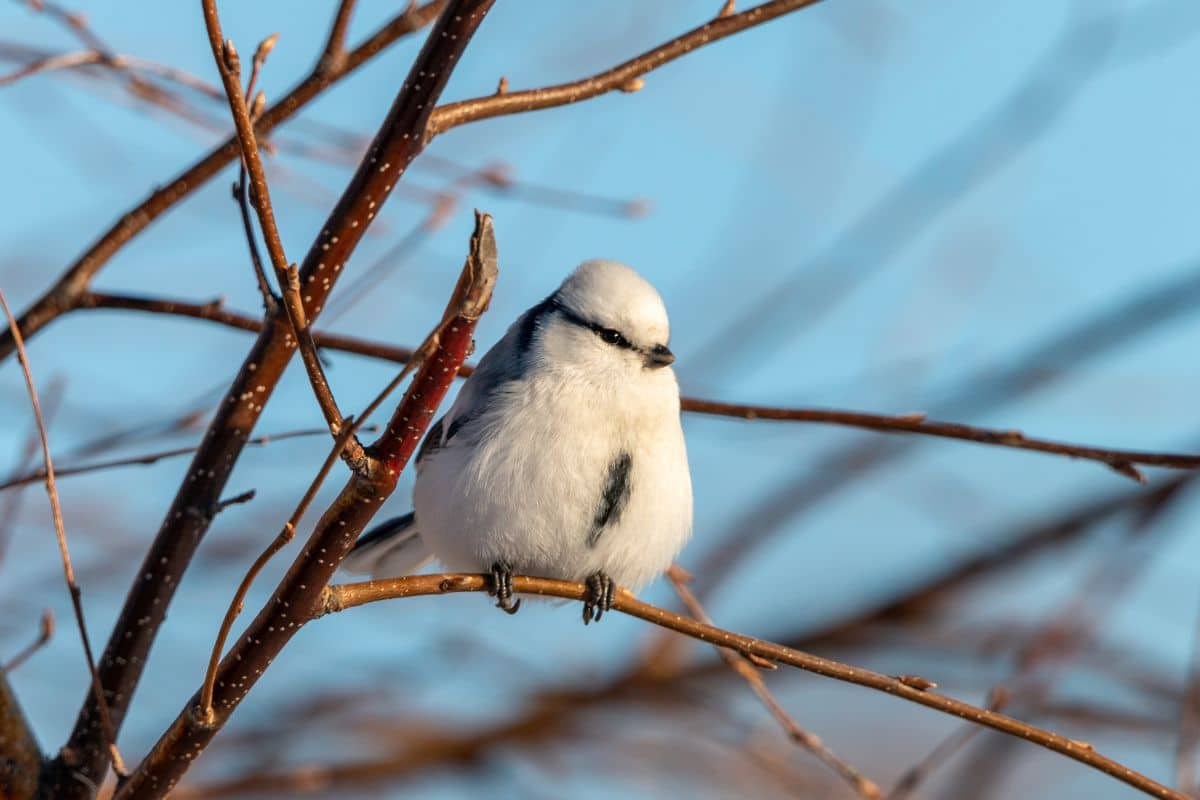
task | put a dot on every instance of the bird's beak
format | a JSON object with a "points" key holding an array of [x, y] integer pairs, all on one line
{"points": [[659, 356]]}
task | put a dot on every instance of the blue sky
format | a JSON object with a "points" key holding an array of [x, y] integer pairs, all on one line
{"points": [[868, 204]]}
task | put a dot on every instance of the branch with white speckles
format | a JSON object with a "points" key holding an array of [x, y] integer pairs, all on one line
{"points": [[73, 283], [339, 527], [187, 520]]}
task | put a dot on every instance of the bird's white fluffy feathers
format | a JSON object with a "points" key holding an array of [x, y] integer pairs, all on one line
{"points": [[522, 480]]}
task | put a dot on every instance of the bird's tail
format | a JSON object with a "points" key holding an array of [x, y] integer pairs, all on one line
{"points": [[389, 550]]}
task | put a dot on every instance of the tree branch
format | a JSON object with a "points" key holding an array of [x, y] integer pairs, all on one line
{"points": [[907, 783], [60, 530], [301, 590], [225, 54], [625, 77], [62, 296], [20, 757], [1188, 742], [45, 634], [1121, 461], [343, 596], [746, 670], [1124, 462], [151, 458], [335, 44], [395, 146]]}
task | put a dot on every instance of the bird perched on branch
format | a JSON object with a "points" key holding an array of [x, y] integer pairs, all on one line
{"points": [[563, 455]]}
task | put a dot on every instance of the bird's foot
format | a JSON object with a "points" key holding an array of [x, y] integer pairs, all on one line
{"points": [[502, 587], [601, 590]]}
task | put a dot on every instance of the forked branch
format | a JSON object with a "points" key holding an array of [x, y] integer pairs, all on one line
{"points": [[339, 527]]}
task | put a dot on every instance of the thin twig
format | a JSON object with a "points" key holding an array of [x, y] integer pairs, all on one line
{"points": [[60, 530], [241, 189], [169, 554], [551, 713], [740, 664], [288, 532], [979, 392], [624, 77], [241, 195], [1124, 462], [53, 62], [1189, 723], [151, 458], [335, 43], [73, 22], [45, 633], [205, 711], [132, 65], [334, 535], [228, 65], [11, 506], [99, 53], [1121, 461], [59, 298], [343, 596], [260, 58], [945, 750]]}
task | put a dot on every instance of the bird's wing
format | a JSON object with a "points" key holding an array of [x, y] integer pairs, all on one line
{"points": [[505, 362], [391, 549]]}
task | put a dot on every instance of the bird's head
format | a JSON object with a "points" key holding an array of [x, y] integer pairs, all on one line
{"points": [[606, 316]]}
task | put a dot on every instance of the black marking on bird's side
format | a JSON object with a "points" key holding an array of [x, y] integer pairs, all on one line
{"points": [[384, 531], [529, 325], [433, 440], [616, 496]]}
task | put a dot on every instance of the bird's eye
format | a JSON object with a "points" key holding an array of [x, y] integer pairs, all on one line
{"points": [[611, 336]]}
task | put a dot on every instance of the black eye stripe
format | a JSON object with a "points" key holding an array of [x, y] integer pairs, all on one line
{"points": [[608, 335]]}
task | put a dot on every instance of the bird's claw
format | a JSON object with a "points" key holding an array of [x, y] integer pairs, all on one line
{"points": [[502, 588], [601, 590]]}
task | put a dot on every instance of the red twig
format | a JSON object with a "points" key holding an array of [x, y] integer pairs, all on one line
{"points": [[189, 516], [300, 593], [205, 708]]}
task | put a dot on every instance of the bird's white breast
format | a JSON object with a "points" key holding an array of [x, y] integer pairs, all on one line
{"points": [[528, 489]]}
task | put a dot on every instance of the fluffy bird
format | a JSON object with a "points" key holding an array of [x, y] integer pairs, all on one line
{"points": [[563, 455]]}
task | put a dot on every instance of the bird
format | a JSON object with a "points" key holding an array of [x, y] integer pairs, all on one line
{"points": [[563, 455]]}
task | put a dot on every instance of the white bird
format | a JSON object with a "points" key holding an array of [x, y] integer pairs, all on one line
{"points": [[563, 455]]}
